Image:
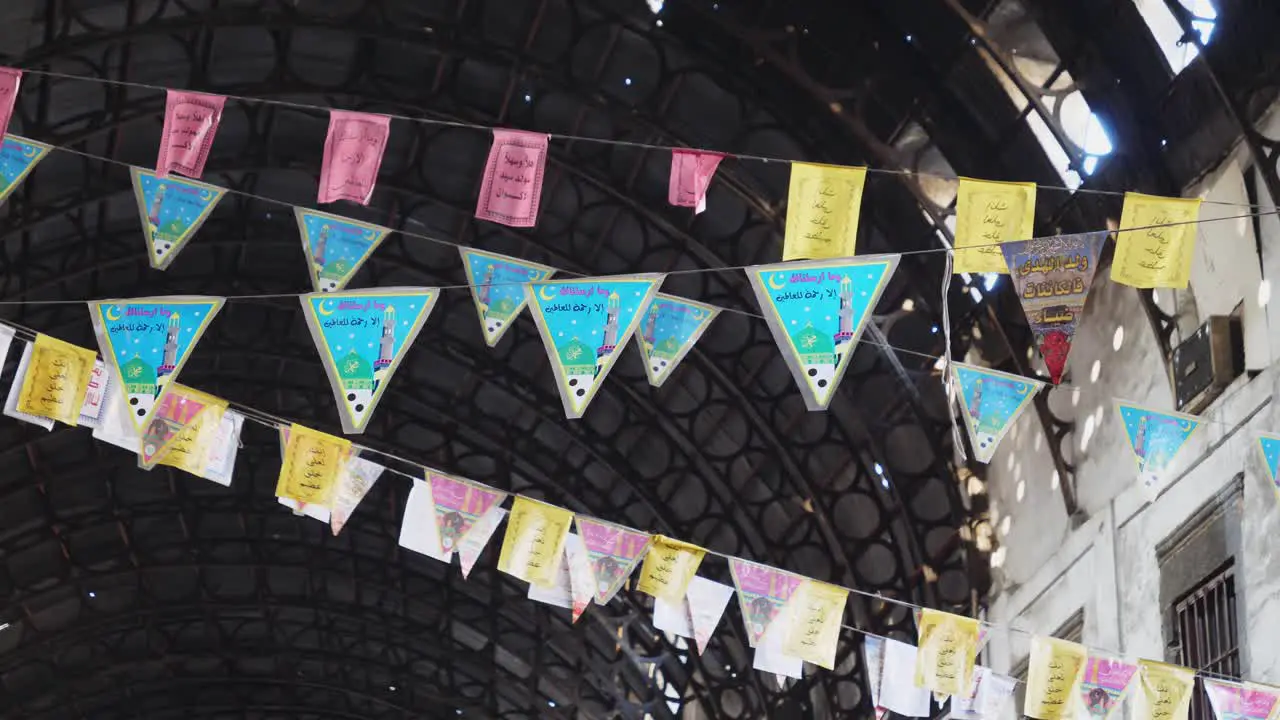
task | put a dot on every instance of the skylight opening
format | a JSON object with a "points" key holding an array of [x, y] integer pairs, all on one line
{"points": [[1168, 32]]}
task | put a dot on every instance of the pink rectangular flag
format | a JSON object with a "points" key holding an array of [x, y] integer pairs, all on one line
{"points": [[513, 178], [10, 78], [691, 172], [190, 122], [352, 155]]}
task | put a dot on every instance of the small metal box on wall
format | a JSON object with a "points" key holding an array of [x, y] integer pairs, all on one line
{"points": [[1206, 363]]}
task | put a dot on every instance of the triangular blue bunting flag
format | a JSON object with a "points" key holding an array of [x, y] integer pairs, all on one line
{"points": [[670, 329], [991, 401], [361, 336], [1156, 438], [816, 311], [584, 325], [336, 247], [18, 157], [172, 210], [1269, 446], [497, 287], [146, 341]]}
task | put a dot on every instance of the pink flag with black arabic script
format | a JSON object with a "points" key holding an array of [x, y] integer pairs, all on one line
{"points": [[691, 172], [190, 123], [10, 79], [352, 156], [512, 185]]}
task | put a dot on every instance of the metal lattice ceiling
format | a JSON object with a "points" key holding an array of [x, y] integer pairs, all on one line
{"points": [[132, 594]]}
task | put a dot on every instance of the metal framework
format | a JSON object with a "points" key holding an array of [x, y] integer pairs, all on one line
{"points": [[132, 594]]}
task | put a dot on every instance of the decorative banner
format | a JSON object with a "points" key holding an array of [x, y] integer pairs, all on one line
{"points": [[362, 336], [18, 157], [1240, 701], [336, 247], [763, 592], [574, 585], [497, 287], [216, 444], [15, 389], [357, 479], [512, 187], [10, 80], [584, 324], [990, 402], [668, 568], [691, 173], [898, 691], [1052, 277], [1155, 257], [1103, 684], [816, 312], [95, 395], [948, 645], [771, 658], [671, 327], [813, 619], [987, 214], [614, 552], [534, 543], [697, 615], [823, 205], [172, 210], [352, 156], [1269, 446], [55, 383], [1164, 691], [1053, 675], [990, 692], [1156, 438], [418, 526], [181, 409], [190, 124], [470, 547], [146, 341], [457, 506], [873, 663], [312, 463]]}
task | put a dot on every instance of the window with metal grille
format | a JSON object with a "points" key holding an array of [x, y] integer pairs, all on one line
{"points": [[1205, 622]]}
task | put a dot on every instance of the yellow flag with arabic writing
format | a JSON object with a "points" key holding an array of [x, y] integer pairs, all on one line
{"points": [[989, 213], [813, 618], [669, 568], [533, 546], [948, 646], [1157, 254], [1053, 674], [56, 380], [312, 461], [1164, 691], [824, 203]]}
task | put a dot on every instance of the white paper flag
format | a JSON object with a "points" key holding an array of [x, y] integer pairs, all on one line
{"points": [[770, 658], [987, 698], [95, 396], [311, 510], [15, 390], [221, 462], [560, 593], [354, 482], [873, 656], [697, 615], [418, 528], [115, 425], [898, 691], [473, 542]]}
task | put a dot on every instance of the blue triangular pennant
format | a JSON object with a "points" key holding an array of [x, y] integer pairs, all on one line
{"points": [[361, 336], [172, 210], [336, 247], [991, 401], [146, 341], [1269, 446], [18, 157], [584, 325], [816, 311], [669, 330], [497, 287], [1156, 438]]}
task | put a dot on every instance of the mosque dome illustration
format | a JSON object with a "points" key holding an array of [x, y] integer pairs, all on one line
{"points": [[497, 315], [662, 355], [139, 385], [844, 336], [332, 273], [579, 364], [817, 355], [355, 375]]}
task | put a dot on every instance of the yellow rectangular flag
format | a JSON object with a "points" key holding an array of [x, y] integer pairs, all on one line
{"points": [[533, 547], [189, 449], [312, 461], [1155, 257], [56, 380], [1055, 670], [669, 568], [948, 646], [823, 206], [1164, 691], [989, 213], [814, 615]]}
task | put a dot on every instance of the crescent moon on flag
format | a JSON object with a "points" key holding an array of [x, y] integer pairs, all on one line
{"points": [[542, 292], [369, 235], [30, 151], [775, 282], [324, 309], [206, 195], [698, 314], [112, 309], [1023, 388]]}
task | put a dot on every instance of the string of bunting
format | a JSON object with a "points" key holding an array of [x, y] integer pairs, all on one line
{"points": [[816, 303]]}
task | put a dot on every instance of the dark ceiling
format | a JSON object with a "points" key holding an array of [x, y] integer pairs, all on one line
{"points": [[134, 594]]}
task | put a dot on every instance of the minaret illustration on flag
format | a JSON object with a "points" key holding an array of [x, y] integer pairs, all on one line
{"points": [[671, 327], [497, 288], [1269, 447], [1156, 438], [172, 210], [991, 402]]}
